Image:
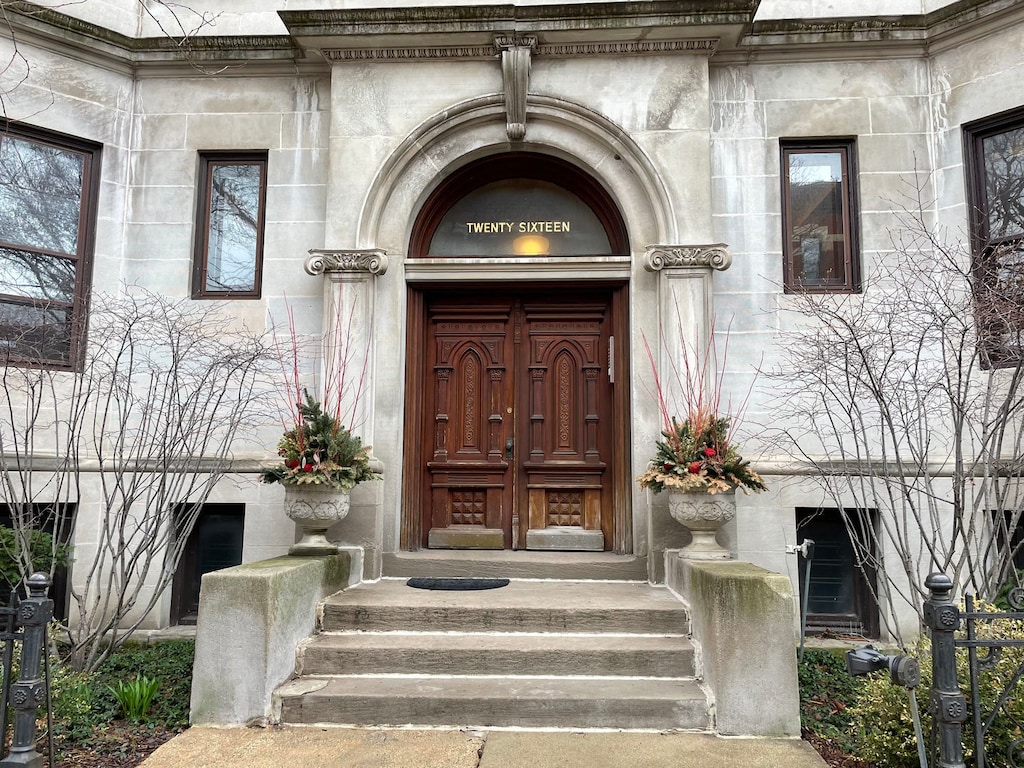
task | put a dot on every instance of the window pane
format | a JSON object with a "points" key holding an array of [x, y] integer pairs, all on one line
{"points": [[1004, 183], [40, 195], [816, 228], [34, 333], [233, 227], [520, 217], [37, 276]]}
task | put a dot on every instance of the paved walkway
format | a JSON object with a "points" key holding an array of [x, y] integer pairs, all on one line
{"points": [[316, 747]]}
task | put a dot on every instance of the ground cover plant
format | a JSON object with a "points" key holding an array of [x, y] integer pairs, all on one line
{"points": [[827, 692], [92, 726]]}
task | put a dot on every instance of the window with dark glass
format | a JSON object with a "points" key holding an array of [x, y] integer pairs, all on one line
{"points": [[229, 245], [215, 543], [839, 596], [48, 188], [820, 250], [994, 153]]}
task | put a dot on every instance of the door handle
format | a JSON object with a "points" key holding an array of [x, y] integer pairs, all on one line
{"points": [[508, 449]]}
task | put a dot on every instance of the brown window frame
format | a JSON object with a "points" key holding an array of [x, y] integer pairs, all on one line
{"points": [[846, 147], [208, 161], [85, 247], [985, 248]]}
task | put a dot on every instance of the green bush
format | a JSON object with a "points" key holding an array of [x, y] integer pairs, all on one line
{"points": [[882, 715], [40, 544], [72, 701], [826, 693]]}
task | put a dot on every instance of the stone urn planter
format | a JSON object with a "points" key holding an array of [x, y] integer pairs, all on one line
{"points": [[703, 514], [316, 508]]}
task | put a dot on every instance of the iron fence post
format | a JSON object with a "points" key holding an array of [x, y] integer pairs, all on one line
{"points": [[29, 693], [948, 704]]}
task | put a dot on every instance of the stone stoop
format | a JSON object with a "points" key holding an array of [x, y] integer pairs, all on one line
{"points": [[534, 654]]}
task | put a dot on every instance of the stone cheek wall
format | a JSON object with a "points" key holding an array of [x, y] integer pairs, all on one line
{"points": [[251, 618], [742, 620]]}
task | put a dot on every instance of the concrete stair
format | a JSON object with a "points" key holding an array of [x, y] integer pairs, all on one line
{"points": [[562, 654]]}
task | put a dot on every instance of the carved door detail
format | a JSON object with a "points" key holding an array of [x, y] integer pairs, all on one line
{"points": [[518, 430]]}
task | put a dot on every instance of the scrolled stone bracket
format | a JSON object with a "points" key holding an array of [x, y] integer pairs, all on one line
{"points": [[715, 256], [516, 53], [320, 262]]}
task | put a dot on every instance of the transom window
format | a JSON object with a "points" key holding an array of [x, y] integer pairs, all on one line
{"points": [[229, 244], [519, 204], [47, 219], [520, 217], [994, 152], [818, 216]]}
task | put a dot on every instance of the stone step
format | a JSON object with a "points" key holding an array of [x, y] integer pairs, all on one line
{"points": [[520, 564], [498, 654], [522, 606], [562, 702]]}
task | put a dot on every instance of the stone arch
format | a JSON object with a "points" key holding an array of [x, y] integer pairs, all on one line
{"points": [[476, 128]]}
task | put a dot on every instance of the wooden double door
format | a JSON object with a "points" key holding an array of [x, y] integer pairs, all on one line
{"points": [[518, 429]]}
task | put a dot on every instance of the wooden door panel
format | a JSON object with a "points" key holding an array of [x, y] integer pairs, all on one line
{"points": [[468, 476], [518, 421], [565, 471]]}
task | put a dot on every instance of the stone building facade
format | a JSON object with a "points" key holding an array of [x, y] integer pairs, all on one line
{"points": [[659, 138]]}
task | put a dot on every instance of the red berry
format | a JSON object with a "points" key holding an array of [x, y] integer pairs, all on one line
{"points": [[291, 463], [308, 468], [694, 467], [666, 467], [710, 452]]}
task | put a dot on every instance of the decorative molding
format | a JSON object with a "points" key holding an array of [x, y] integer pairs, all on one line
{"points": [[706, 45], [320, 262], [552, 50], [715, 256], [409, 54], [516, 51]]}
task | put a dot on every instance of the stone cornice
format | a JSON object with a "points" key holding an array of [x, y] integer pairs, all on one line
{"points": [[723, 28], [877, 36], [713, 256], [320, 262], [66, 34]]}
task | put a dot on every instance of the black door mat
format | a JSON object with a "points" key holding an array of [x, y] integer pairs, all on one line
{"points": [[422, 582]]}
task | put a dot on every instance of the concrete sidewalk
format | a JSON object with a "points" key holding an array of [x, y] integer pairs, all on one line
{"points": [[317, 747]]}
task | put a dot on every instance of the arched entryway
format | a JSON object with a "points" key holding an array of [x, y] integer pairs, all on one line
{"points": [[517, 399]]}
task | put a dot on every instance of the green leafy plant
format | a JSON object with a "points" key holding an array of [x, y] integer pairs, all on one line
{"points": [[44, 553], [135, 696], [827, 692], [169, 661], [882, 714]]}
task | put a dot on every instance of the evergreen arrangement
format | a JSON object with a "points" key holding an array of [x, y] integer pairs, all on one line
{"points": [[696, 455], [320, 450]]}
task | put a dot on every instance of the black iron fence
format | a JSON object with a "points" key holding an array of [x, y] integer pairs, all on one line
{"points": [[26, 620], [949, 704], [952, 629]]}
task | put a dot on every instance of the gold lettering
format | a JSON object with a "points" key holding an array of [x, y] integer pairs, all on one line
{"points": [[523, 227]]}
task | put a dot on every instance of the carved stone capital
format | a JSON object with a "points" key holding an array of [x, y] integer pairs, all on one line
{"points": [[374, 261], [516, 52], [714, 256]]}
